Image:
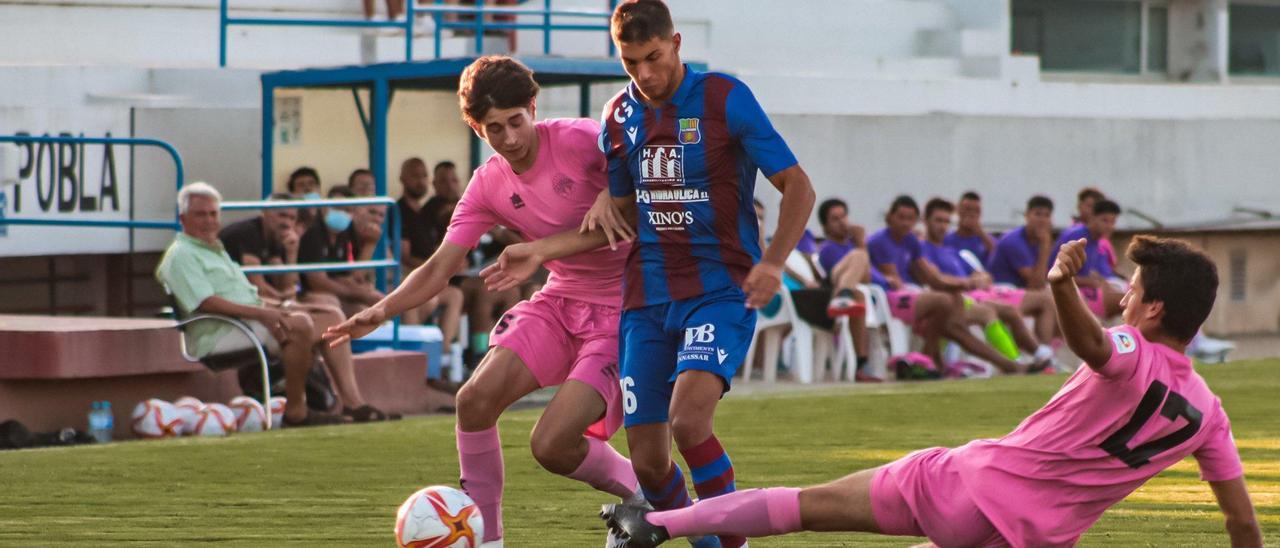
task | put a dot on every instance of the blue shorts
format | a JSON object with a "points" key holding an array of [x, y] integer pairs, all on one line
{"points": [[710, 332]]}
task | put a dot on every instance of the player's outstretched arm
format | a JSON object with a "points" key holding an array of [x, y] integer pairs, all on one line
{"points": [[423, 284], [1080, 328], [765, 278], [517, 263], [1241, 523]]}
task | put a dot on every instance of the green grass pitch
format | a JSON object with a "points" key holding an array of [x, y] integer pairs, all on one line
{"points": [[340, 486]]}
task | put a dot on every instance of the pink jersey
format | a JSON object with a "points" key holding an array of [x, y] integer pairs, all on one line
{"points": [[550, 198], [1104, 434]]}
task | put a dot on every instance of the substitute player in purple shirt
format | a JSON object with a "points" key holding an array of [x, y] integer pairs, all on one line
{"points": [[969, 234], [683, 149]]}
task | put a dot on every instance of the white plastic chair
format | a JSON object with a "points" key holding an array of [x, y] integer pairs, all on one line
{"points": [[770, 328]]}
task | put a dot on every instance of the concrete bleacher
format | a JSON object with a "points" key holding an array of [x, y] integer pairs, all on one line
{"points": [[53, 367]]}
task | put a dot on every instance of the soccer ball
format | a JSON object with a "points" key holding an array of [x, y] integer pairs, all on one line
{"points": [[215, 420], [249, 414], [155, 418], [439, 517], [189, 411], [277, 411]]}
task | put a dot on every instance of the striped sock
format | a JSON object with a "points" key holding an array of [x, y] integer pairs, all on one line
{"points": [[712, 476], [671, 494]]}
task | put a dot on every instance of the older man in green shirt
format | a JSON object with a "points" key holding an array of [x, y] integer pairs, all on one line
{"points": [[203, 278]]}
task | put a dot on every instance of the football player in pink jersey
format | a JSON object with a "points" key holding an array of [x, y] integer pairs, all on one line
{"points": [[545, 176], [1137, 409]]}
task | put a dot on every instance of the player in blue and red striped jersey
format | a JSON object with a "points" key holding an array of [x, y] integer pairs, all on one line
{"points": [[683, 149]]}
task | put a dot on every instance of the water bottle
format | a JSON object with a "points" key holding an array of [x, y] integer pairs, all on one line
{"points": [[108, 422], [100, 422]]}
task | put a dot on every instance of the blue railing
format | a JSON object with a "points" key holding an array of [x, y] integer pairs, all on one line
{"points": [[438, 11], [392, 220], [74, 140]]}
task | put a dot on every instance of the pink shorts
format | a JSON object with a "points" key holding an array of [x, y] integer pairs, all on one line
{"points": [[902, 304], [1011, 296], [561, 339], [921, 494]]}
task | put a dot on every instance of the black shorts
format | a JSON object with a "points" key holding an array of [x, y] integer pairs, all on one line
{"points": [[811, 306]]}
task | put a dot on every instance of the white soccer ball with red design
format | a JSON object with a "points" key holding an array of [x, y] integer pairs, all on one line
{"points": [[215, 420], [277, 411], [439, 517], [189, 410], [155, 418], [250, 417]]}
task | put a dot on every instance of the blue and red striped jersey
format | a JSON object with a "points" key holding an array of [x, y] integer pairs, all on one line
{"points": [[691, 166]]}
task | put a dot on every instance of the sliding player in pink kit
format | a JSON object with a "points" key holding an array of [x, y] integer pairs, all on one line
{"points": [[1138, 408], [544, 178]]}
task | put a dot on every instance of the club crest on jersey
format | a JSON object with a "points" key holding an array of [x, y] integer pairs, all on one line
{"points": [[662, 165], [1124, 342], [516, 201], [563, 186], [689, 132]]}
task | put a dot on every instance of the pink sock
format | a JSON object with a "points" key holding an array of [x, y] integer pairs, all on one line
{"points": [[606, 470], [480, 457], [750, 513]]}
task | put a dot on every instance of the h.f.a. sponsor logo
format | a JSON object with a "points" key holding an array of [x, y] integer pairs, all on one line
{"points": [[662, 165], [669, 220], [689, 132], [671, 196]]}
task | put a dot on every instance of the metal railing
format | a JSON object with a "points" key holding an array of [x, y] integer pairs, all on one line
{"points": [[392, 236], [438, 13], [76, 140]]}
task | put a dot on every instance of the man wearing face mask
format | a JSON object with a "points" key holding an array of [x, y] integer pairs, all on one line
{"points": [[335, 239]]}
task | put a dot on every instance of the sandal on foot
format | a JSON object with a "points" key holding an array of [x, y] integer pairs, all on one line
{"points": [[369, 413], [315, 418]]}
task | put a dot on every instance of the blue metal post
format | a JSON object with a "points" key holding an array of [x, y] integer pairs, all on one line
{"points": [[546, 31], [409, 21], [222, 34], [268, 137], [435, 18], [479, 22], [613, 4]]}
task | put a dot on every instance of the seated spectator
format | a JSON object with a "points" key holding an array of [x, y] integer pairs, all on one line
{"points": [[1021, 257], [362, 183], [896, 253], [447, 187], [969, 234], [1085, 200], [304, 184], [202, 278], [335, 240], [1084, 204], [421, 231], [420, 228], [1101, 288], [998, 313], [843, 258], [269, 239]]}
